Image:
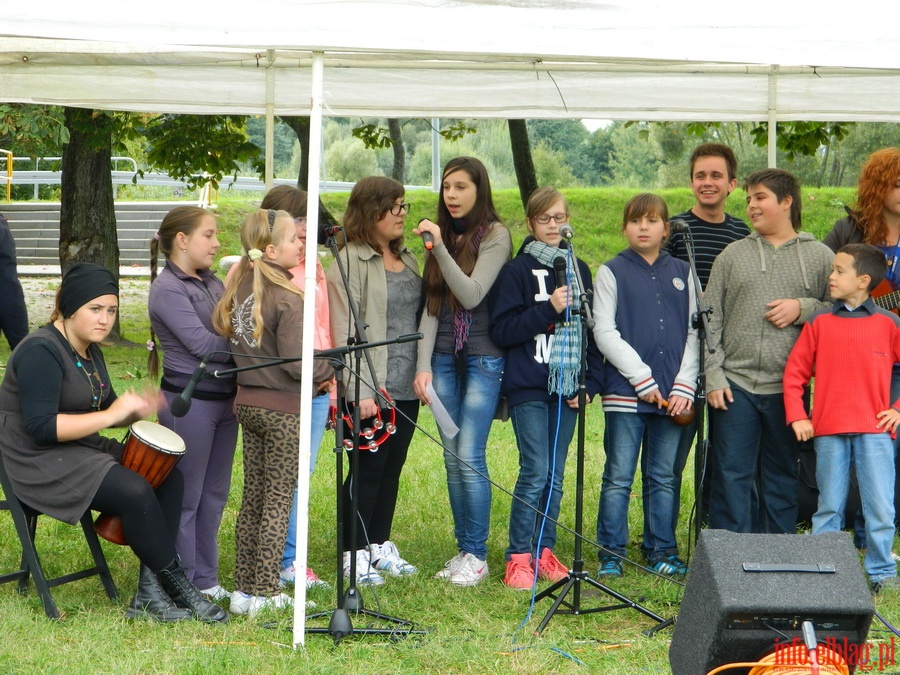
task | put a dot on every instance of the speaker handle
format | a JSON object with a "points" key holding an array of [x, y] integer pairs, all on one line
{"points": [[789, 567]]}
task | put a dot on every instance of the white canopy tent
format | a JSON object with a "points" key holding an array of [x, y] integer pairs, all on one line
{"points": [[618, 59]]}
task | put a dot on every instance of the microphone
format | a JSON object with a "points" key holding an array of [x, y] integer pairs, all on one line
{"points": [[327, 231], [181, 405], [427, 237], [559, 267], [566, 231], [680, 225]]}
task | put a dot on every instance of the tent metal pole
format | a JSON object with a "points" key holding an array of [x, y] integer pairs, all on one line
{"points": [[773, 117], [270, 118], [435, 154], [306, 375]]}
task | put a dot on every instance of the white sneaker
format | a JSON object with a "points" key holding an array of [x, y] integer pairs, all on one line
{"points": [[895, 557], [240, 603], [216, 593], [471, 571], [386, 558], [450, 567], [366, 575], [243, 604], [258, 603]]}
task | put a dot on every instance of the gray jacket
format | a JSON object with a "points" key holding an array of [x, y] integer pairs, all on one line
{"points": [[749, 350], [368, 288]]}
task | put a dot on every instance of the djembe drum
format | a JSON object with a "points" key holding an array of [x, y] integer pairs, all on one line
{"points": [[152, 451]]}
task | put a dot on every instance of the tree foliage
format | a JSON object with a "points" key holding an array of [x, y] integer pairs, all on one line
{"points": [[32, 130], [201, 148]]}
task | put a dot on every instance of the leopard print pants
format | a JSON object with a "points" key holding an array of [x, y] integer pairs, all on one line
{"points": [[271, 440]]}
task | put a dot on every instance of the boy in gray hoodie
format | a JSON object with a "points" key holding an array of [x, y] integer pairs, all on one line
{"points": [[761, 290]]}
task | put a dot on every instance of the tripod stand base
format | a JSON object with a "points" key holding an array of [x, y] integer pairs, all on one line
{"points": [[341, 625], [572, 584]]}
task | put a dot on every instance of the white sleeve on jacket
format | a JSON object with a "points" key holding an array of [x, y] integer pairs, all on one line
{"points": [[609, 341]]}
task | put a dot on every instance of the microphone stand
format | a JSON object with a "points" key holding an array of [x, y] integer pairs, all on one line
{"points": [[700, 321], [577, 574], [340, 624]]}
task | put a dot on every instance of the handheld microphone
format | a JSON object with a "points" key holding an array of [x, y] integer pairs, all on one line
{"points": [[680, 225], [566, 231], [427, 237], [559, 267], [181, 405]]}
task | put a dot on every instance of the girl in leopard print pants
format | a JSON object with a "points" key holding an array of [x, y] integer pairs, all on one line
{"points": [[262, 313]]}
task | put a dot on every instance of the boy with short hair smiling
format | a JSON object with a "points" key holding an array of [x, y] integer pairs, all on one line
{"points": [[851, 349], [761, 290]]}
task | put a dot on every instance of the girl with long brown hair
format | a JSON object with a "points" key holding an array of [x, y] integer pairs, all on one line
{"points": [[182, 301], [457, 357]]}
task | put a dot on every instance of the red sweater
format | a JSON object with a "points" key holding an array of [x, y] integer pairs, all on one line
{"points": [[851, 355]]}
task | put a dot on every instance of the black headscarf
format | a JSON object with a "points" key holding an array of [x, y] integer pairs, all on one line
{"points": [[82, 283]]}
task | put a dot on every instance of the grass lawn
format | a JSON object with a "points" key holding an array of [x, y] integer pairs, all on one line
{"points": [[488, 628]]}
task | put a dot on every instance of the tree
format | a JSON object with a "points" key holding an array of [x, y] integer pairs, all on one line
{"points": [[300, 125], [522, 159], [87, 215]]}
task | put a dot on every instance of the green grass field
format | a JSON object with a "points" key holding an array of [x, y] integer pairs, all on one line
{"points": [[488, 628]]}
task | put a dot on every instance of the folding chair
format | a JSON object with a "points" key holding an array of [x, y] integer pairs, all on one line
{"points": [[25, 520]]}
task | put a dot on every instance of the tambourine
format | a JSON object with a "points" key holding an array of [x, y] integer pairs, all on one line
{"points": [[370, 437]]}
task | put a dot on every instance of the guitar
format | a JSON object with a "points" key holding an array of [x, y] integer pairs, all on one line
{"points": [[886, 297]]}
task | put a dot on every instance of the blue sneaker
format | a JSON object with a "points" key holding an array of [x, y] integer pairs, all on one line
{"points": [[672, 566], [610, 566]]}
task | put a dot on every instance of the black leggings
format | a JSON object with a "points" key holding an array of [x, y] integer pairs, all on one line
{"points": [[149, 518]]}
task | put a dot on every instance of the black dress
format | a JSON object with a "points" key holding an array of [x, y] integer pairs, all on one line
{"points": [[59, 479]]}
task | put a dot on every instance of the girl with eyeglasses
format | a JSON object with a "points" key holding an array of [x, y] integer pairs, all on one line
{"points": [[262, 314], [386, 288], [457, 356], [532, 316]]}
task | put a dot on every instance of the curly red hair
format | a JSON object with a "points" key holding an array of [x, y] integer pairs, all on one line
{"points": [[878, 177]]}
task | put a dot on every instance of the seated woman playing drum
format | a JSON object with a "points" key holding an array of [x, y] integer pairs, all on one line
{"points": [[55, 398]]}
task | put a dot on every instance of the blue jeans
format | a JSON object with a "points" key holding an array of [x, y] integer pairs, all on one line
{"points": [[320, 406], [543, 430], [756, 454], [471, 404], [622, 441], [873, 455]]}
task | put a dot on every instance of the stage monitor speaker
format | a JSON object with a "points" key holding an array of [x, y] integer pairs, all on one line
{"points": [[745, 592]]}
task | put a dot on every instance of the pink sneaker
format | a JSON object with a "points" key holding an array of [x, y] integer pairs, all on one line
{"points": [[519, 572], [313, 581], [550, 568]]}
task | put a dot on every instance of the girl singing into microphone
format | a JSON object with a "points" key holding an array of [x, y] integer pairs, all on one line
{"points": [[457, 356]]}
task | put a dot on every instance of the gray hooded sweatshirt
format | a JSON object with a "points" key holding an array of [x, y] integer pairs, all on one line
{"points": [[749, 350]]}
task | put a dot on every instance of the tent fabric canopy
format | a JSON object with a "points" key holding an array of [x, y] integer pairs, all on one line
{"points": [[485, 58]]}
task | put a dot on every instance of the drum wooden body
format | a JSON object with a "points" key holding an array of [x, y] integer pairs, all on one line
{"points": [[152, 451]]}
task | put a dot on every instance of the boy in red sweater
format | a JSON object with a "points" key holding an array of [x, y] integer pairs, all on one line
{"points": [[850, 349]]}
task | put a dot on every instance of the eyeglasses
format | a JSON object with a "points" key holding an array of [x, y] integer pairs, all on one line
{"points": [[398, 209], [544, 218]]}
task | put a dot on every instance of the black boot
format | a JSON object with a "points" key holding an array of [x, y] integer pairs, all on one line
{"points": [[184, 594], [151, 601]]}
